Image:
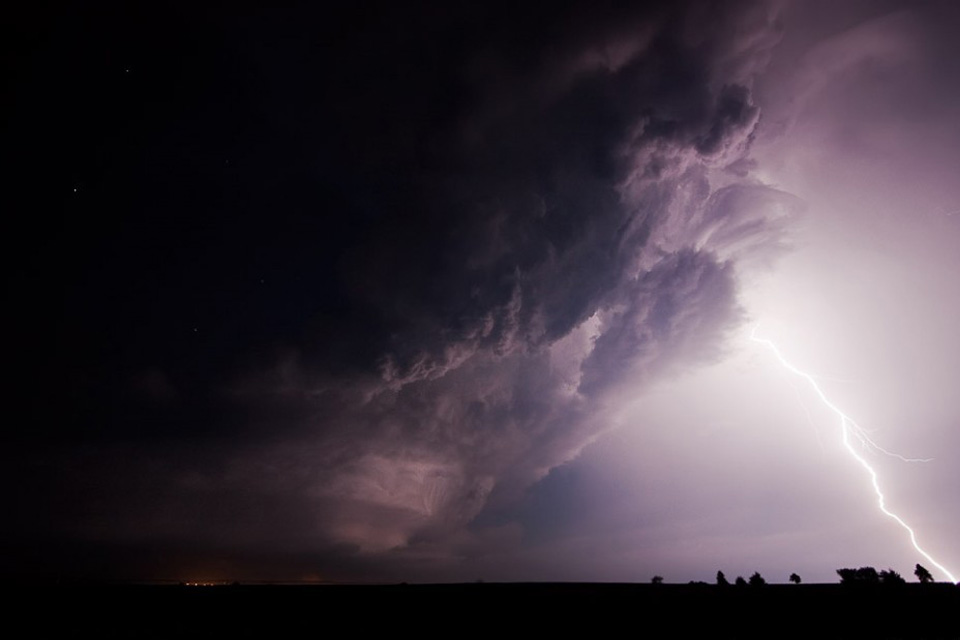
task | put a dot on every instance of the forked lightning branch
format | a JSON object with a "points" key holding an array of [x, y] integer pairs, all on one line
{"points": [[851, 434]]}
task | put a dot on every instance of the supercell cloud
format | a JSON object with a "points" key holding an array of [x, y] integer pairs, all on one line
{"points": [[566, 226], [332, 292], [513, 216]]}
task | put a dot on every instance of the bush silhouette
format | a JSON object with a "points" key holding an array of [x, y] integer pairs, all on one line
{"points": [[922, 574], [794, 578], [756, 580], [657, 580], [861, 576], [722, 579], [740, 582], [890, 577]]}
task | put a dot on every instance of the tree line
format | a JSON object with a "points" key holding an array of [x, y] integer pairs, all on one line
{"points": [[860, 576]]}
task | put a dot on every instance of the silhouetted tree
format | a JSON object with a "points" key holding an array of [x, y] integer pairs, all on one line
{"points": [[863, 575], [794, 578], [740, 582], [889, 576], [722, 579], [868, 575], [756, 580], [657, 580], [922, 574], [847, 575]]}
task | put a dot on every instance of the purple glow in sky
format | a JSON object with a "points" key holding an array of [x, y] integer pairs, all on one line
{"points": [[463, 293]]}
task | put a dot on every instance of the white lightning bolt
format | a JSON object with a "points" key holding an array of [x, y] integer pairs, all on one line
{"points": [[850, 428]]}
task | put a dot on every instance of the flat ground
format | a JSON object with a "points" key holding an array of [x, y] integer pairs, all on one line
{"points": [[602, 610]]}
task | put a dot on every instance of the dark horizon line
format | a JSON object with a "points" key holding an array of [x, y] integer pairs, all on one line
{"points": [[172, 582]]}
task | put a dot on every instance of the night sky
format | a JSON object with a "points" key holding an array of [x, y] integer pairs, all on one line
{"points": [[458, 291]]}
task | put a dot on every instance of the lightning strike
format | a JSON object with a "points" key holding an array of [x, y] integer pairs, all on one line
{"points": [[851, 432]]}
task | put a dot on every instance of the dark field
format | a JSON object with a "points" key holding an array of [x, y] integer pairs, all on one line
{"points": [[598, 610]]}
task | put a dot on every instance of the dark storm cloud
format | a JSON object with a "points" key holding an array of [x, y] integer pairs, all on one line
{"points": [[554, 236], [504, 232], [500, 217], [674, 313]]}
